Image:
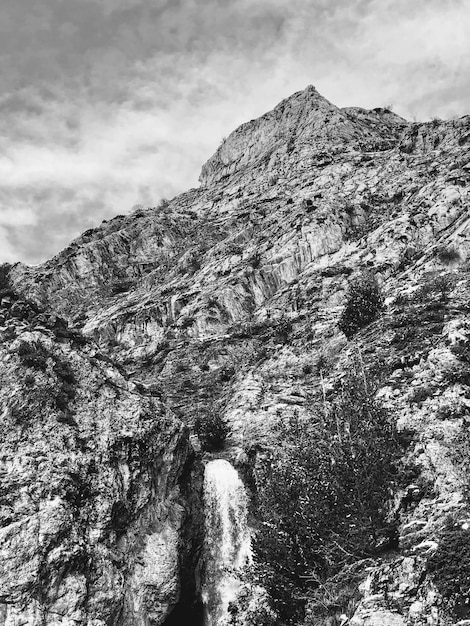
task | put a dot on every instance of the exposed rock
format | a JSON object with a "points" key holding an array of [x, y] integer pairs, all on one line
{"points": [[91, 504], [225, 302]]}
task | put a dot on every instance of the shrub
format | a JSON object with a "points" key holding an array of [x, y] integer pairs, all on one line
{"points": [[439, 286], [33, 355], [357, 231], [323, 495], [419, 394], [64, 371], [338, 596], [364, 302], [29, 380], [401, 299], [187, 322], [67, 382], [459, 374], [226, 373], [255, 260], [121, 286], [36, 355], [194, 264], [234, 249], [451, 411], [307, 368], [212, 431], [163, 204], [5, 286], [449, 568], [448, 255], [443, 285], [283, 328]]}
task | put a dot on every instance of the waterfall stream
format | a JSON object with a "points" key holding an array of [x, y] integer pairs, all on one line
{"points": [[227, 549]]}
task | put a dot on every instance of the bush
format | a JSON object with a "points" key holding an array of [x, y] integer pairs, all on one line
{"points": [[37, 356], [255, 260], [440, 286], [5, 286], [401, 300], [419, 394], [66, 388], [364, 302], [212, 431], [33, 355], [307, 369], [451, 411], [234, 249], [323, 495], [121, 286], [187, 322], [449, 568], [226, 373], [338, 596], [163, 204], [29, 380], [448, 255], [443, 285]]}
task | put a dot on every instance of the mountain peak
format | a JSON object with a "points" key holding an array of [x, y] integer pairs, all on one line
{"points": [[254, 140], [305, 121]]}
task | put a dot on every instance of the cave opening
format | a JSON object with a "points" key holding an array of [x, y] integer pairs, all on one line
{"points": [[186, 614]]}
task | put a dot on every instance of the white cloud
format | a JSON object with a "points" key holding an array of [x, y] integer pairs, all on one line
{"points": [[136, 94]]}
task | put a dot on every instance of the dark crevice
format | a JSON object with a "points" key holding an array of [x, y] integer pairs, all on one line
{"points": [[189, 611], [186, 613]]}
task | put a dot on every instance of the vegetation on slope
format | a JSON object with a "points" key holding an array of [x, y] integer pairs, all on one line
{"points": [[449, 568], [323, 494], [364, 302]]}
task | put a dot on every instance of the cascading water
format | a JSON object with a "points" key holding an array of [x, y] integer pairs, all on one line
{"points": [[227, 548]]}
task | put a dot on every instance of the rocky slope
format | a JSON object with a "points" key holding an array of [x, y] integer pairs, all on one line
{"points": [[93, 483], [224, 302]]}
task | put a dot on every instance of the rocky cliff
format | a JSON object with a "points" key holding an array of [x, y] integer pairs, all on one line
{"points": [[92, 501], [215, 315]]}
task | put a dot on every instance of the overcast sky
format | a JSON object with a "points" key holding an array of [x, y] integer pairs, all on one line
{"points": [[105, 104]]}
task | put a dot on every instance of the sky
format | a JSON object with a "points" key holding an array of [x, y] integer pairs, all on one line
{"points": [[107, 104]]}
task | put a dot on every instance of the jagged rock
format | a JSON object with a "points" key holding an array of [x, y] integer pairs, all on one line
{"points": [[92, 509]]}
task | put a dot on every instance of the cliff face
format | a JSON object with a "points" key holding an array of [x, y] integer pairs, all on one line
{"points": [[92, 505], [223, 302]]}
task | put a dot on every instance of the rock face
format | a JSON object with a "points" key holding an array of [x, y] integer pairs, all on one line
{"points": [[224, 303], [91, 503]]}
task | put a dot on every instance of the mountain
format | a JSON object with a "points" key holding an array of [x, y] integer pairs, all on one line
{"points": [[302, 315]]}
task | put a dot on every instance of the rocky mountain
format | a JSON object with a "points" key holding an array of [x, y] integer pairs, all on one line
{"points": [[303, 317]]}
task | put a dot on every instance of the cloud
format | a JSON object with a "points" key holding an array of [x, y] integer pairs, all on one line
{"points": [[108, 103]]}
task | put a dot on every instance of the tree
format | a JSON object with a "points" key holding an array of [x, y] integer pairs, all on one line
{"points": [[323, 494], [364, 301]]}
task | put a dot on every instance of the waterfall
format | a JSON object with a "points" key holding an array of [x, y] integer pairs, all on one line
{"points": [[227, 547]]}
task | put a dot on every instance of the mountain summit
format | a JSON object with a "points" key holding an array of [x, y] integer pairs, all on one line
{"points": [[303, 125], [300, 320]]}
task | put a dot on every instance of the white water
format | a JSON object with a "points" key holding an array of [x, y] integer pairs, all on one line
{"points": [[227, 546]]}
